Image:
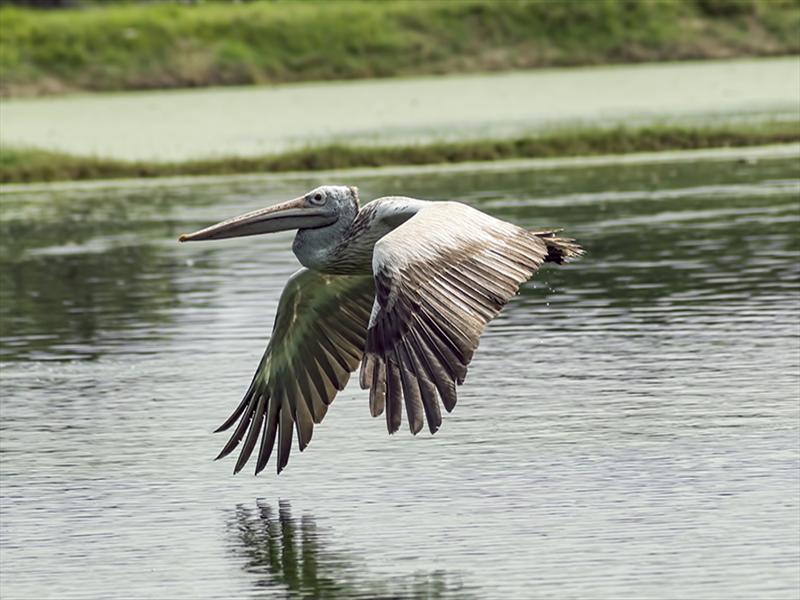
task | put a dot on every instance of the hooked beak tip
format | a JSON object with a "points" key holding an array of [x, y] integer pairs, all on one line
{"points": [[184, 237]]}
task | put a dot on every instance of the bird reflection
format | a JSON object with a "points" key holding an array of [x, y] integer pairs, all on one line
{"points": [[292, 555]]}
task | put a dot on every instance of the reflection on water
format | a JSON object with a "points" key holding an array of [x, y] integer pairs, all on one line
{"points": [[292, 554], [79, 270], [629, 427]]}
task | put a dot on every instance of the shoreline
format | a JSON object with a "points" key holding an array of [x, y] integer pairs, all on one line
{"points": [[28, 165], [746, 154]]}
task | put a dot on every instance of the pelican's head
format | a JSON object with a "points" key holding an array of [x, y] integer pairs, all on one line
{"points": [[320, 207]]}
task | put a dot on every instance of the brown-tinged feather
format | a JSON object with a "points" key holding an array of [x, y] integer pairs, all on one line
{"points": [[394, 397], [427, 390], [366, 374], [411, 393], [377, 390]]}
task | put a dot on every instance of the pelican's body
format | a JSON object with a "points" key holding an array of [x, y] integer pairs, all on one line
{"points": [[403, 287]]}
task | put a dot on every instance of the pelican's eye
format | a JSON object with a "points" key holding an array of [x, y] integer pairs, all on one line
{"points": [[317, 199]]}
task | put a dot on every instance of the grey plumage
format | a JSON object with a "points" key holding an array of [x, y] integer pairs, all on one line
{"points": [[402, 287]]}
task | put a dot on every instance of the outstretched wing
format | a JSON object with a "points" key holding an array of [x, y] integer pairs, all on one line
{"points": [[440, 277], [317, 341]]}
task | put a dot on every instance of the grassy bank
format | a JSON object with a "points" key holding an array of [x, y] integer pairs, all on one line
{"points": [[29, 165], [166, 45]]}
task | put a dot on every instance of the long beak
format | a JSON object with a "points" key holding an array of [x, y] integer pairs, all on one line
{"points": [[294, 214]]}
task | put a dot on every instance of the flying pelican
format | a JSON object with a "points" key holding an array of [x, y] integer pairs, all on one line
{"points": [[403, 287]]}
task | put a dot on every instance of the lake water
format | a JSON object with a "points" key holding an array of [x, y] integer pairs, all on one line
{"points": [[258, 120], [629, 427]]}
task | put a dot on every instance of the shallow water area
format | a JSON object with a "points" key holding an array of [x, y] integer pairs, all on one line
{"points": [[628, 428], [162, 125]]}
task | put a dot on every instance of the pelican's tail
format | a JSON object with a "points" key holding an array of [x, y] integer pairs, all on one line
{"points": [[559, 249]]}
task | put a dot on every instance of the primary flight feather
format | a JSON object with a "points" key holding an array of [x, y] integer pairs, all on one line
{"points": [[402, 287]]}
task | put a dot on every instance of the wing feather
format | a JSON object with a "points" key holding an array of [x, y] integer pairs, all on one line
{"points": [[430, 380], [285, 430], [412, 387], [317, 341], [309, 392], [377, 390], [325, 386], [304, 422], [252, 434], [394, 396], [268, 436], [240, 430], [440, 277]]}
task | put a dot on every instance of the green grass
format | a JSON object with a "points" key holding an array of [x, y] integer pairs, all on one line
{"points": [[110, 46], [19, 165]]}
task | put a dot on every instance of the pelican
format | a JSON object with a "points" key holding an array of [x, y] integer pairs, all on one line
{"points": [[402, 287]]}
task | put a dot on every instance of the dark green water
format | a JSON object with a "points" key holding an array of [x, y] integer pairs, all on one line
{"points": [[629, 427]]}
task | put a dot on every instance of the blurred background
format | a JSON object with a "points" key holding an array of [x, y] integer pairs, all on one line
{"points": [[630, 427], [297, 84]]}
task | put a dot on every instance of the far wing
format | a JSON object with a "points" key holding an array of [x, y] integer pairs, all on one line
{"points": [[317, 341], [439, 279]]}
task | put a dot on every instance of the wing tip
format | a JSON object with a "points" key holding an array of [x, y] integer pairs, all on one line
{"points": [[560, 250]]}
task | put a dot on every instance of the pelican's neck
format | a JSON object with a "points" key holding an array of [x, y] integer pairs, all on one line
{"points": [[315, 247], [346, 246]]}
